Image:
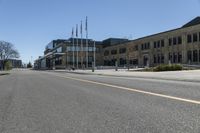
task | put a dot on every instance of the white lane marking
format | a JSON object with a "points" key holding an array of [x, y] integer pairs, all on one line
{"points": [[134, 90]]}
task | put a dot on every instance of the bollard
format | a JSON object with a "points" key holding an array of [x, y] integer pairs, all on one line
{"points": [[93, 67], [116, 66]]}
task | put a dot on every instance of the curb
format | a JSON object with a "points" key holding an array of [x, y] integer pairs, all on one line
{"points": [[141, 77], [158, 78], [1, 74]]}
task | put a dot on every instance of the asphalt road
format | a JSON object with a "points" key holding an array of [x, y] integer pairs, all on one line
{"points": [[49, 102]]}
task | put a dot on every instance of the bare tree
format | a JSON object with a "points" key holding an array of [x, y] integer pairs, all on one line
{"points": [[7, 51]]}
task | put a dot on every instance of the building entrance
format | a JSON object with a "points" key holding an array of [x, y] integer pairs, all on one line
{"points": [[146, 60]]}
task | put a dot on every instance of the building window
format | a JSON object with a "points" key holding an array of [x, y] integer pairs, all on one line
{"points": [[135, 62], [174, 41], [179, 57], [90, 49], [70, 58], [158, 58], [136, 47], [189, 38], [199, 55], [179, 40], [122, 50], [58, 61], [90, 59], [113, 52], [174, 58], [106, 53], [122, 61], [107, 63], [155, 44], [195, 37], [170, 41], [59, 50], [154, 59], [142, 47], [158, 44], [162, 43], [170, 57], [189, 56], [98, 50], [131, 62], [199, 36], [162, 58], [113, 62], [195, 56], [148, 45], [145, 46]]}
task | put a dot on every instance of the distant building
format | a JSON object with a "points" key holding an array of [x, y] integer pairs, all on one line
{"points": [[14, 63], [59, 54], [177, 46]]}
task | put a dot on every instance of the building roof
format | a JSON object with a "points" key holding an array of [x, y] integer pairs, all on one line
{"points": [[193, 22], [90, 41], [113, 41]]}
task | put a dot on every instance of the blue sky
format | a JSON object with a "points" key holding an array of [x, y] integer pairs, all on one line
{"points": [[31, 24]]}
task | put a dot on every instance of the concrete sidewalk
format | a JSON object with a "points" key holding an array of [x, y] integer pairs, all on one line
{"points": [[190, 76]]}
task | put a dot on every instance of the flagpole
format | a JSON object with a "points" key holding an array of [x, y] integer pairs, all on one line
{"points": [[81, 30], [86, 28], [77, 54], [86, 50], [94, 54], [73, 49], [77, 46]]}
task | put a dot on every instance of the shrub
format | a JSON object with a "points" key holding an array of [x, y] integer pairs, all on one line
{"points": [[29, 65], [8, 65], [174, 67]]}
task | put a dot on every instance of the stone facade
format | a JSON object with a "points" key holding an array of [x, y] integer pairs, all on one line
{"points": [[178, 46]]}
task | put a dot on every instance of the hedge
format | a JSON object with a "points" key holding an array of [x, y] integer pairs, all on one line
{"points": [[173, 67]]}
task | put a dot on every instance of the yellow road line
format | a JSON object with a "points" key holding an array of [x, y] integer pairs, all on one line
{"points": [[134, 90]]}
